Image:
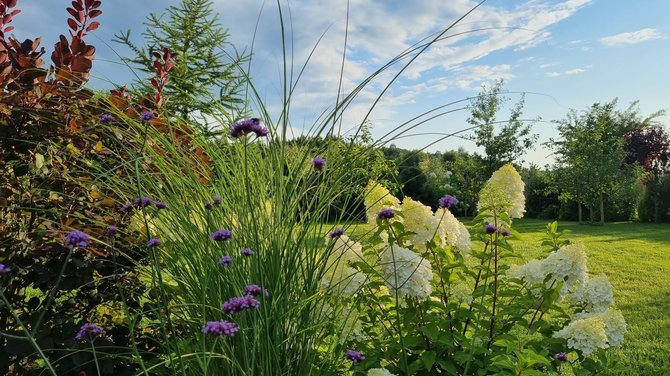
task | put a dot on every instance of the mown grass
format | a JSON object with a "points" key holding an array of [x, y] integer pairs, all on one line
{"points": [[636, 258]]}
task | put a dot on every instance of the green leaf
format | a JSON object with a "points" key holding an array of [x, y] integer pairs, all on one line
{"points": [[428, 359], [431, 330]]}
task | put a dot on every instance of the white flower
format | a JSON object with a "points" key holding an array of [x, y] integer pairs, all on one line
{"points": [[343, 280], [419, 219], [504, 191], [451, 231], [460, 292], [567, 264], [531, 272], [407, 272], [376, 198], [585, 335], [346, 250], [379, 372], [615, 326], [595, 294]]}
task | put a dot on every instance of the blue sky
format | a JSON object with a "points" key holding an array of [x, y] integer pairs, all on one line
{"points": [[564, 54]]}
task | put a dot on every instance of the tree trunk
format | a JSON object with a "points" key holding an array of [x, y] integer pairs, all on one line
{"points": [[657, 207], [602, 210], [591, 216], [579, 210]]}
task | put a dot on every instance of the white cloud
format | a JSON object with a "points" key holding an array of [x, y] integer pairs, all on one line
{"points": [[569, 72], [632, 37]]}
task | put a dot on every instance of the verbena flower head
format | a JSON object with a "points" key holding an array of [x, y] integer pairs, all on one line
{"points": [[238, 304], [111, 230], [106, 118], [505, 232], [217, 200], [208, 205], [376, 198], [319, 163], [225, 260], [561, 357], [220, 328], [154, 242], [160, 204], [594, 295], [447, 201], [247, 252], [222, 235], [146, 115], [336, 233], [77, 239], [379, 372], [255, 290], [142, 202], [89, 331], [386, 213], [4, 270], [504, 192], [490, 228], [355, 356], [407, 272], [244, 127]]}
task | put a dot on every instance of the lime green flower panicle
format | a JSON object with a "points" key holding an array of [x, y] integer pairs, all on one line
{"points": [[504, 192]]}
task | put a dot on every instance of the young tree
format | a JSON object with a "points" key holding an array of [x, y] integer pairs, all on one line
{"points": [[204, 74], [511, 141]]}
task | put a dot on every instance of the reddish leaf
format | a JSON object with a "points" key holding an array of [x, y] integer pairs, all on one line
{"points": [[94, 13], [77, 5], [15, 12], [94, 25], [156, 55], [96, 4], [9, 28], [154, 83], [88, 3], [72, 23], [73, 12], [11, 3]]}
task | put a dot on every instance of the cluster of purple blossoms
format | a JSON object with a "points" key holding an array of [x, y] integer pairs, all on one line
{"points": [[255, 290], [385, 213], [238, 304], [143, 202], [561, 357], [225, 261], [490, 229], [106, 118], [505, 232], [221, 235], [217, 200], [146, 115], [244, 127], [447, 201], [336, 233], [220, 328], [89, 331], [208, 205], [111, 230], [355, 356], [319, 163], [4, 270], [154, 242], [77, 239], [160, 204], [246, 252]]}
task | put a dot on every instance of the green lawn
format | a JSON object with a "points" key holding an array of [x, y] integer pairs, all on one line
{"points": [[636, 258]]}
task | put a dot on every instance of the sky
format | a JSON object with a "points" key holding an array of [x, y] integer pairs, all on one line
{"points": [[563, 54]]}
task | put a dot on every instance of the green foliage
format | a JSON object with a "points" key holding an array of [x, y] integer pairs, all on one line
{"points": [[205, 72], [654, 204]]}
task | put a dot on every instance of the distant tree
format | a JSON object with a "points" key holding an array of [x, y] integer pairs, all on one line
{"points": [[590, 154], [511, 141], [467, 177], [204, 74], [649, 146]]}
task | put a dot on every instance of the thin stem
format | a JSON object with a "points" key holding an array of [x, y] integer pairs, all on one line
{"points": [[95, 357]]}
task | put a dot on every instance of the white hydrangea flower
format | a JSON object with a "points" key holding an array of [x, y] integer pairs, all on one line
{"points": [[343, 280], [507, 181], [412, 272], [595, 294], [451, 231], [567, 264], [419, 219], [531, 272], [376, 198], [615, 326], [345, 250], [585, 335], [611, 322], [379, 372]]}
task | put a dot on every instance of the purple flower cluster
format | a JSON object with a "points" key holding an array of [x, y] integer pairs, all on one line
{"points": [[225, 261], [106, 118], [238, 304], [247, 252], [111, 230], [505, 232], [255, 290], [208, 205], [142, 202], [221, 235], [77, 239], [319, 163], [561, 357], [355, 356], [4, 270], [220, 328], [490, 229], [447, 201], [160, 204], [336, 233], [217, 200], [385, 213], [244, 127], [89, 331], [154, 242], [146, 115]]}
